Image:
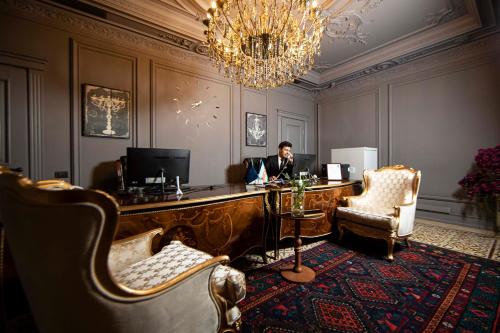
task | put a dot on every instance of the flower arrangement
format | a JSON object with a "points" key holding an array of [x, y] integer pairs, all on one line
{"points": [[298, 187], [483, 182]]}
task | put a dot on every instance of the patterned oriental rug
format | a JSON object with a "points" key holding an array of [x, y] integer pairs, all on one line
{"points": [[425, 289]]}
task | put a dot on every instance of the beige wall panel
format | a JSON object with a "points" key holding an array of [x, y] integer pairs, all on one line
{"points": [[439, 122], [194, 112], [348, 122], [96, 155], [253, 101]]}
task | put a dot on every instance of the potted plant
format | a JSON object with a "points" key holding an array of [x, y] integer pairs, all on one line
{"points": [[482, 183]]}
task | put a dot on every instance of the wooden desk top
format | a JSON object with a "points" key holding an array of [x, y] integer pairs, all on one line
{"points": [[206, 194], [195, 195]]}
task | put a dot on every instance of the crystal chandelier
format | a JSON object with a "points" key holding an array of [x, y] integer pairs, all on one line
{"points": [[264, 43]]}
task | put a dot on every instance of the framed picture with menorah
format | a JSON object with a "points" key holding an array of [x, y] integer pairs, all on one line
{"points": [[256, 130], [106, 112]]}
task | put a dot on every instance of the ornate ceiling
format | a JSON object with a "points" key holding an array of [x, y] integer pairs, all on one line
{"points": [[394, 32]]}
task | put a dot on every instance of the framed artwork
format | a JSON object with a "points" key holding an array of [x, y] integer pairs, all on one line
{"points": [[256, 130], [106, 112]]}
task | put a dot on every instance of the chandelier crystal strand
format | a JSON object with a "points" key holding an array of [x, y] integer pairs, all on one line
{"points": [[264, 43]]}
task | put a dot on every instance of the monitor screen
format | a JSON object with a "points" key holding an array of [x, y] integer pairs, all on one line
{"points": [[304, 162], [144, 166]]}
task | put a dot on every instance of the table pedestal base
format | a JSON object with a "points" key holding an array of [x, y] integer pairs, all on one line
{"points": [[306, 274]]}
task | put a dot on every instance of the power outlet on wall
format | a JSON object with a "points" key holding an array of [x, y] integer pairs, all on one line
{"points": [[61, 174]]}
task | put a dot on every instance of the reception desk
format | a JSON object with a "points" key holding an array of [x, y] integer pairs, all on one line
{"points": [[223, 219], [227, 219]]}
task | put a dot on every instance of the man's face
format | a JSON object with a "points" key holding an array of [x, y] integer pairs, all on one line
{"points": [[284, 152]]}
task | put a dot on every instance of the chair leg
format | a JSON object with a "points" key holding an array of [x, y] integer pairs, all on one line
{"points": [[390, 249], [341, 233], [407, 240]]}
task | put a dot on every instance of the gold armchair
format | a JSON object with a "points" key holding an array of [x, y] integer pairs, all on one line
{"points": [[61, 243], [385, 209]]}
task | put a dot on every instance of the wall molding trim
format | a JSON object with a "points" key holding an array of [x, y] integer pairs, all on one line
{"points": [[35, 90], [35, 108]]}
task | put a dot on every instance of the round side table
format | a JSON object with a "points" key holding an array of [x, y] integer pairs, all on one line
{"points": [[298, 272]]}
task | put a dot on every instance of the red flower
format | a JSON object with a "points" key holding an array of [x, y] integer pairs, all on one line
{"points": [[484, 180]]}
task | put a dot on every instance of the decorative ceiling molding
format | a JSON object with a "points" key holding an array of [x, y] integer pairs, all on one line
{"points": [[182, 16], [161, 42], [479, 50]]}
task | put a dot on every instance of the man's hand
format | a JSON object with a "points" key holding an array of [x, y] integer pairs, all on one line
{"points": [[272, 178], [290, 158]]}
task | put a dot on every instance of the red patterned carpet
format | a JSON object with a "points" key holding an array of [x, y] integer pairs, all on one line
{"points": [[425, 289]]}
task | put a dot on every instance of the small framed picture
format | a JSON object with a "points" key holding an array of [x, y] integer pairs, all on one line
{"points": [[256, 130], [106, 112], [334, 171]]}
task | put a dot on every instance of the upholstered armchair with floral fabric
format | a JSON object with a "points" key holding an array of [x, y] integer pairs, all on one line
{"points": [[385, 209], [133, 264], [77, 280]]}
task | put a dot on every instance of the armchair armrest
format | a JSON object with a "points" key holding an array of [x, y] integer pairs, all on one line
{"points": [[128, 251], [350, 201], [406, 214], [55, 185]]}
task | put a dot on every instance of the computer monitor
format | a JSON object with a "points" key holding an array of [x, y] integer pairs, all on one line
{"points": [[304, 162], [145, 165]]}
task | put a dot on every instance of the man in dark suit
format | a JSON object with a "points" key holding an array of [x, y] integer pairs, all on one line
{"points": [[279, 165]]}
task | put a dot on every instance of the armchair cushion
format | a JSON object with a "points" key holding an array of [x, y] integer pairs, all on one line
{"points": [[370, 218], [172, 260]]}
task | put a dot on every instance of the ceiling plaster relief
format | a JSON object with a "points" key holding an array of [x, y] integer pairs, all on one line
{"points": [[453, 10], [452, 20]]}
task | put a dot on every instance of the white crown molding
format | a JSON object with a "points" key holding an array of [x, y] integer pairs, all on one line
{"points": [[312, 76], [426, 38], [181, 16], [474, 52]]}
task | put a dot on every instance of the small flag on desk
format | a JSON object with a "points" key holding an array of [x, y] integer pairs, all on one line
{"points": [[251, 175], [263, 173]]}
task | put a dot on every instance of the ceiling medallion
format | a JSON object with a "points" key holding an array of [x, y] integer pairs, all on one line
{"points": [[264, 44]]}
